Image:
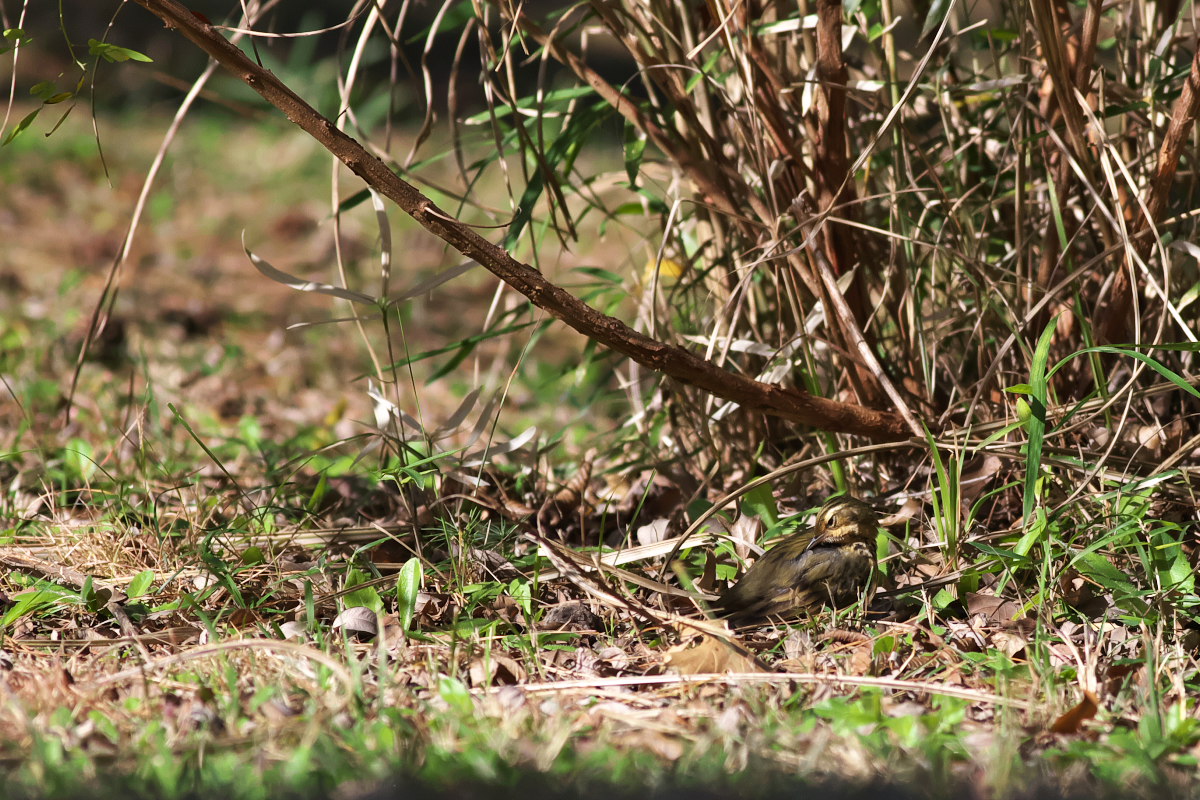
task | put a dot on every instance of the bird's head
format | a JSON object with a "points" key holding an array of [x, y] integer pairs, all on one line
{"points": [[845, 519]]}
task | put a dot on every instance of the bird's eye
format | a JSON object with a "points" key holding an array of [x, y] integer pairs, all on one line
{"points": [[832, 521]]}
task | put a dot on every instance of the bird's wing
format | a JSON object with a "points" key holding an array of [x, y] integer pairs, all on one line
{"points": [[796, 582]]}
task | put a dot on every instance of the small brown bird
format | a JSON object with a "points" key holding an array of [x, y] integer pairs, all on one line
{"points": [[830, 565]]}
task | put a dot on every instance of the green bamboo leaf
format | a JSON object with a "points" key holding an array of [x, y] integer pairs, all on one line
{"points": [[366, 597], [408, 586], [20, 127], [112, 53], [140, 583], [1154, 364], [1036, 424], [760, 502]]}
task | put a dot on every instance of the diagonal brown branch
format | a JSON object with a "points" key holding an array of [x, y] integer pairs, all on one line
{"points": [[675, 362]]}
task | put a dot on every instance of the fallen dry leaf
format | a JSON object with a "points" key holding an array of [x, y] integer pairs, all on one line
{"points": [[1073, 720], [994, 610], [359, 621], [711, 654], [976, 474], [653, 532], [1009, 642], [497, 670], [573, 616]]}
